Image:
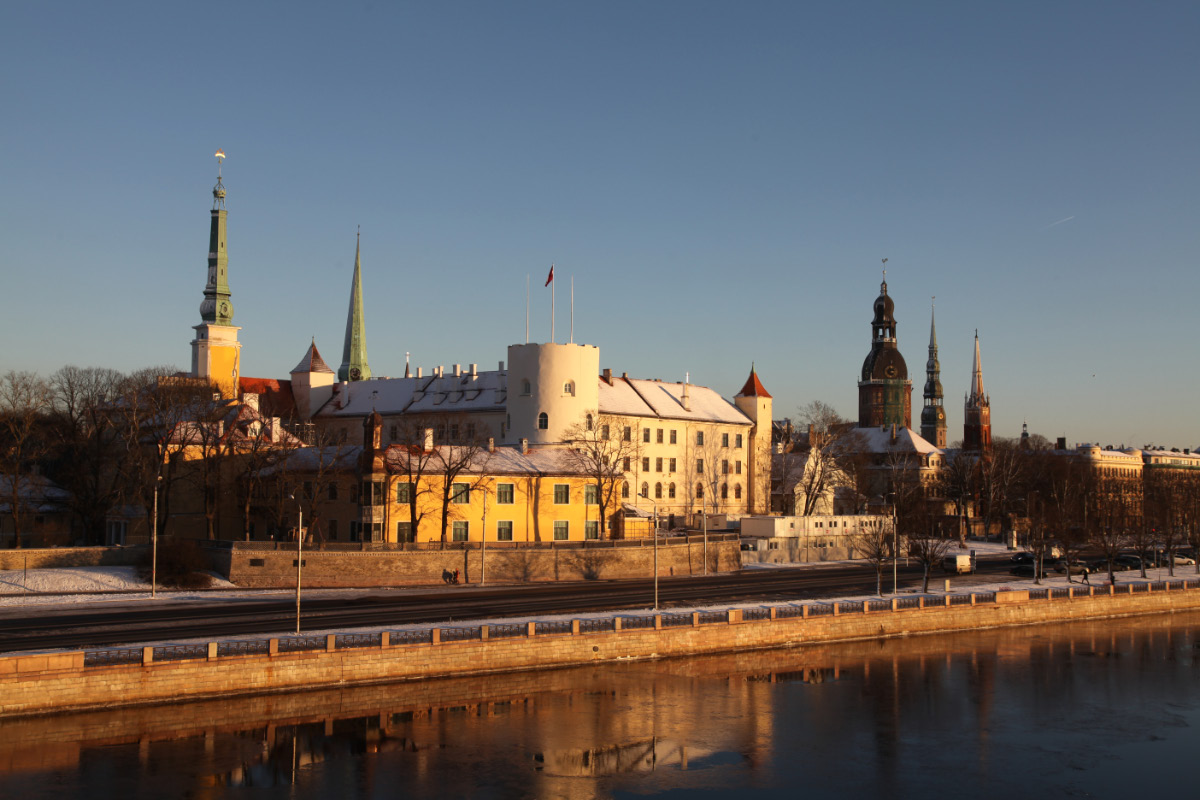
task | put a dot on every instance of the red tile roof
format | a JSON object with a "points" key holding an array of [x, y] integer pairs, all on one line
{"points": [[275, 397], [753, 387]]}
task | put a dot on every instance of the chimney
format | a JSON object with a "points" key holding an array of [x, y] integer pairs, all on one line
{"points": [[625, 375], [1061, 444], [457, 370], [420, 372], [474, 370], [607, 375], [524, 446], [491, 444], [686, 400], [502, 366], [428, 439]]}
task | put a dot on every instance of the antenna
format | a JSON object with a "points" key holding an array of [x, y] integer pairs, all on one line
{"points": [[526, 308], [572, 309]]}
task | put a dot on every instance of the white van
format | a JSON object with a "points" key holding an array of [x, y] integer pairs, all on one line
{"points": [[959, 565]]}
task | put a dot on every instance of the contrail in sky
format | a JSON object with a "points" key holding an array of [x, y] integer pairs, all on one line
{"points": [[1060, 222]]}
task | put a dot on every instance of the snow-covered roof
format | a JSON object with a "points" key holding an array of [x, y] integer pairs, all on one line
{"points": [[879, 440], [484, 391], [646, 398], [36, 493], [504, 460]]}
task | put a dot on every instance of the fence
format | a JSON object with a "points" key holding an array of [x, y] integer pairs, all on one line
{"points": [[399, 547], [614, 624]]}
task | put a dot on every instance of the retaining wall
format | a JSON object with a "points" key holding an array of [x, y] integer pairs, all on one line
{"points": [[47, 557], [35, 684], [254, 568]]}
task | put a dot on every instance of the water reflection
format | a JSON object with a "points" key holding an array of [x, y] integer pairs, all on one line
{"points": [[1086, 710]]}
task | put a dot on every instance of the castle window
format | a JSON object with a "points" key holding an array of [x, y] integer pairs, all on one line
{"points": [[604, 432], [505, 494], [700, 491], [737, 491], [724, 440], [737, 467], [700, 437], [461, 530], [646, 435], [627, 435], [670, 465], [671, 491], [562, 494], [645, 489], [460, 493], [659, 436], [404, 493], [504, 530], [645, 463], [590, 422], [569, 388], [699, 466], [738, 440], [672, 437], [624, 489], [526, 389], [625, 464], [658, 465], [562, 530], [658, 491], [543, 421], [724, 491], [591, 529], [591, 494]]}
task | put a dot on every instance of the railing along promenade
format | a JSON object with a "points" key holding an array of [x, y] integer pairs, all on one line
{"points": [[615, 624], [286, 545]]}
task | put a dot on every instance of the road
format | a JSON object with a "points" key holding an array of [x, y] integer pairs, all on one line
{"points": [[72, 627]]}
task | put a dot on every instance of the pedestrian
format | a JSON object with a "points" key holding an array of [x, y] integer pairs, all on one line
{"points": [[1085, 576], [456, 577]]}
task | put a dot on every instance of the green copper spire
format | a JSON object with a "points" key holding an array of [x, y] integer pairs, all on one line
{"points": [[354, 352], [216, 308]]}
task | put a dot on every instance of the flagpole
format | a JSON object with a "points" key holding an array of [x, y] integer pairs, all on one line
{"points": [[526, 308], [551, 304], [572, 309]]}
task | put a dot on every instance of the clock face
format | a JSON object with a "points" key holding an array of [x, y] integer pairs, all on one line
{"points": [[355, 373], [224, 309], [941, 415], [890, 370]]}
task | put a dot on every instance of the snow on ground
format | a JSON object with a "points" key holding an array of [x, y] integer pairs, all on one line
{"points": [[23, 587]]}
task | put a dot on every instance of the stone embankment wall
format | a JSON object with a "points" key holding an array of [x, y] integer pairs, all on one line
{"points": [[47, 557], [329, 568], [36, 684]]}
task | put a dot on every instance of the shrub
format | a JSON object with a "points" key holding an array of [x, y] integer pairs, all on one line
{"points": [[181, 564]]}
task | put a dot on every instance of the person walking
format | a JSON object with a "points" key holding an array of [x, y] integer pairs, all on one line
{"points": [[1085, 575]]}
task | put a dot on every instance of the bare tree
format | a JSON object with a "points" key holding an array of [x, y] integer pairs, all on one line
{"points": [[24, 407], [461, 468], [410, 460], [928, 549], [599, 450], [829, 444], [873, 543], [1001, 471]]}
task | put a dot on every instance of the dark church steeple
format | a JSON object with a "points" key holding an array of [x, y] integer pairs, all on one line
{"points": [[884, 391], [933, 415]]}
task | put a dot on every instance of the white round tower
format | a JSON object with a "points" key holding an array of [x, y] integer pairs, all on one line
{"points": [[551, 387]]}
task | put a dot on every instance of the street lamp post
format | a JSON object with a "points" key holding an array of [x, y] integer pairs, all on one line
{"points": [[154, 540], [299, 554], [895, 548], [654, 506], [704, 528]]}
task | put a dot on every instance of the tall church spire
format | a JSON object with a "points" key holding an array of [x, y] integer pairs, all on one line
{"points": [[933, 415], [354, 352], [977, 424], [216, 353]]}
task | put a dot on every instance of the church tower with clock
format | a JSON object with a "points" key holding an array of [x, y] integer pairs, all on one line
{"points": [[933, 415], [884, 392], [216, 353]]}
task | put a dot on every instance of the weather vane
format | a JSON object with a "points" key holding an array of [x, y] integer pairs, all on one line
{"points": [[885, 271]]}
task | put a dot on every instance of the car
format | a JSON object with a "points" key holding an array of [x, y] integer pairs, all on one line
{"points": [[1028, 558], [1131, 561], [1101, 565], [1024, 570], [1181, 559], [1077, 567]]}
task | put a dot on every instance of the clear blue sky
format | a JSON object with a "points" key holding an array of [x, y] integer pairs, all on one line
{"points": [[721, 179]]}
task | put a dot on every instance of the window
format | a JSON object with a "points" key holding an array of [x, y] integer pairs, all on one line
{"points": [[504, 494], [646, 435], [658, 491], [372, 493], [591, 529], [724, 491], [404, 532], [569, 388], [658, 465], [700, 491], [624, 489], [658, 437], [673, 436], [671, 491], [404, 492], [332, 529], [737, 491], [454, 432], [504, 530], [627, 434], [333, 491], [737, 467], [562, 530], [724, 466], [724, 440], [562, 494], [354, 530], [604, 432], [738, 440], [543, 421], [460, 493], [699, 437], [470, 431], [670, 465], [525, 387], [461, 530], [590, 422], [591, 495], [625, 464], [645, 489], [699, 466], [645, 463], [392, 431]]}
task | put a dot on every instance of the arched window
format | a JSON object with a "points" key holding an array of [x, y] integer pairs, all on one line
{"points": [[624, 489], [724, 491], [737, 491], [658, 491], [543, 421], [645, 489], [700, 491], [525, 387], [671, 491], [569, 388], [589, 422]]}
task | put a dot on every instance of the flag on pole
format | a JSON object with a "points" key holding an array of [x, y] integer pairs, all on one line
{"points": [[550, 277]]}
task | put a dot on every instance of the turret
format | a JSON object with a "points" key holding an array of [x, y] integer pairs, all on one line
{"points": [[551, 387], [755, 402]]}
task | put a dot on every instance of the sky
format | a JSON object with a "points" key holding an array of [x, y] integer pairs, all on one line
{"points": [[721, 181]]}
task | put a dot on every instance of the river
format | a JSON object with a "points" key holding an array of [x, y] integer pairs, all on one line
{"points": [[1097, 709]]}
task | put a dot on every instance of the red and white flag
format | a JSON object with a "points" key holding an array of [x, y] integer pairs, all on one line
{"points": [[550, 277]]}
